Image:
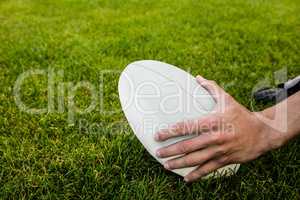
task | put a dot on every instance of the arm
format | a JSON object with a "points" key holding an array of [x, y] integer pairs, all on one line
{"points": [[293, 117], [233, 136]]}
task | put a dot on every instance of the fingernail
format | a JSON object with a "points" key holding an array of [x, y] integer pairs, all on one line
{"points": [[158, 153], [186, 179], [156, 137], [166, 165], [200, 78]]}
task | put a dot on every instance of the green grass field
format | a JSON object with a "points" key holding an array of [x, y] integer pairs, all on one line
{"points": [[236, 43]]}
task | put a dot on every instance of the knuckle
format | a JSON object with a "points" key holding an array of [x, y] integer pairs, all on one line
{"points": [[182, 148], [229, 135], [221, 151], [160, 136], [186, 146], [218, 138], [172, 131], [185, 161], [214, 138], [188, 161], [171, 164], [163, 135], [203, 172], [223, 160], [193, 175], [222, 138], [179, 129]]}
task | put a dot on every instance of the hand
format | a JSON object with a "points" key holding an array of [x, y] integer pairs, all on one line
{"points": [[234, 135]]}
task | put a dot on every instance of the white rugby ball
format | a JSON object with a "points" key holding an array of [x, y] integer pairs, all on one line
{"points": [[155, 95]]}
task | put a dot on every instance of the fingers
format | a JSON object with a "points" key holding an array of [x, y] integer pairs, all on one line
{"points": [[203, 170], [189, 127], [179, 129], [213, 88], [190, 145], [192, 159], [199, 125]]}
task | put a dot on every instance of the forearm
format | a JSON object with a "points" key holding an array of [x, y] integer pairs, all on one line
{"points": [[292, 119]]}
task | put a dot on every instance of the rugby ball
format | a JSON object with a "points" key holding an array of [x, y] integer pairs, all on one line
{"points": [[155, 95]]}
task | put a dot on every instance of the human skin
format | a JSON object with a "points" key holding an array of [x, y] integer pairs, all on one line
{"points": [[231, 134]]}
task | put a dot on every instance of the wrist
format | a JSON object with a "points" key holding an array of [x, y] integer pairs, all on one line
{"points": [[272, 137]]}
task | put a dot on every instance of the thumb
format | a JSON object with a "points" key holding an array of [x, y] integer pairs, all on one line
{"points": [[218, 93]]}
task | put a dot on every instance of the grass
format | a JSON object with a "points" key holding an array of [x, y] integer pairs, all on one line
{"points": [[236, 43]]}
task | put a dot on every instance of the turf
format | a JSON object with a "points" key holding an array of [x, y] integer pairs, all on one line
{"points": [[96, 156]]}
